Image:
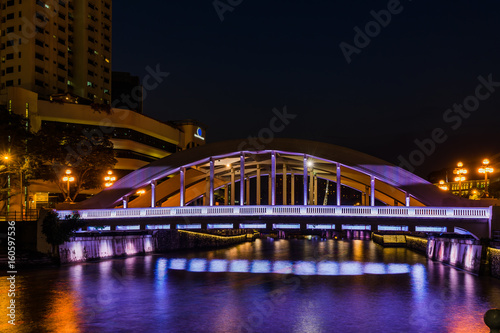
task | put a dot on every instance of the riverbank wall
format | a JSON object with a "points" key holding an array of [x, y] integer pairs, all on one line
{"points": [[101, 246], [171, 240], [466, 254]]}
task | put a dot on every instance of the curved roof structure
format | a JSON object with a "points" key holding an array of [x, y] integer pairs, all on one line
{"points": [[393, 185]]}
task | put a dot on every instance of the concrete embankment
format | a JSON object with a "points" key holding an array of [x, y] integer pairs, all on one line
{"points": [[466, 254], [102, 246], [99, 246], [418, 244]]}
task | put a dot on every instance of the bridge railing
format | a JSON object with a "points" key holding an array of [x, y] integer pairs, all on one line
{"points": [[348, 211]]}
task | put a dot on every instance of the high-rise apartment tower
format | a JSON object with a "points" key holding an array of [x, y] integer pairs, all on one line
{"points": [[56, 47]]}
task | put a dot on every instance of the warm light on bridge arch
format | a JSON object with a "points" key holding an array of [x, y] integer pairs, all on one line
{"points": [[202, 178]]}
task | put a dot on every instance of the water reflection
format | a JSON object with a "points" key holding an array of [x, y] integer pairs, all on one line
{"points": [[264, 286], [285, 267]]}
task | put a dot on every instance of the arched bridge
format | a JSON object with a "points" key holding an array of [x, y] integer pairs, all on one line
{"points": [[227, 183]]}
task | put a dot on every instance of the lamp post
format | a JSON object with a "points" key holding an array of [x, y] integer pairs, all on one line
{"points": [[6, 160], [9, 160], [109, 179], [68, 179], [443, 186], [460, 171], [485, 169]]}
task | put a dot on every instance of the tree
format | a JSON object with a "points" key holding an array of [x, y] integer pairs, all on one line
{"points": [[88, 153], [57, 232]]}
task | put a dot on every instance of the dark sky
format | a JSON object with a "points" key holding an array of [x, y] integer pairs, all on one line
{"points": [[230, 74]]}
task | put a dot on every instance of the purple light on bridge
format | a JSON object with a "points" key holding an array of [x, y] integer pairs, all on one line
{"points": [[157, 226]]}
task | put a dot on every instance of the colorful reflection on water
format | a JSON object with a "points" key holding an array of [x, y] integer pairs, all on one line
{"points": [[264, 286]]}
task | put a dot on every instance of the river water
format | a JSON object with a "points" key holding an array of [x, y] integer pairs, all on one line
{"points": [[263, 286]]}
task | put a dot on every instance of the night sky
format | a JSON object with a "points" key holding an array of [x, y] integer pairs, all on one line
{"points": [[396, 89]]}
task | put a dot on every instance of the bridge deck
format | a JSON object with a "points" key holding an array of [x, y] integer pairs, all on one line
{"points": [[476, 213]]}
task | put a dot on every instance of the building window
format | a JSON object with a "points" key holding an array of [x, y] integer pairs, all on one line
{"points": [[9, 83]]}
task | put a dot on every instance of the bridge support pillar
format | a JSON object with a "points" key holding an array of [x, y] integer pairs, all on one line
{"points": [[247, 186], [211, 182], [305, 180], [242, 179], [269, 189], [182, 188], [153, 193], [125, 201], [292, 189], [407, 199], [233, 189], [339, 186], [315, 190], [258, 186], [273, 178], [311, 187], [372, 191], [284, 185]]}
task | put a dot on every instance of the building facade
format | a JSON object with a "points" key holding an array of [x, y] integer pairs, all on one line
{"points": [[56, 47], [137, 139]]}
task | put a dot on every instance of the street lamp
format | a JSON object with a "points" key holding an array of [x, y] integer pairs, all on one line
{"points": [[5, 159], [443, 186], [459, 171], [109, 179], [485, 169], [68, 179], [9, 161]]}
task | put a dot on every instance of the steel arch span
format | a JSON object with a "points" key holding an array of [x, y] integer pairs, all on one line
{"points": [[180, 178]]}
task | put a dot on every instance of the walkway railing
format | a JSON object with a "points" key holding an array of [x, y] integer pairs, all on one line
{"points": [[347, 211], [31, 215]]}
